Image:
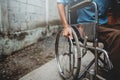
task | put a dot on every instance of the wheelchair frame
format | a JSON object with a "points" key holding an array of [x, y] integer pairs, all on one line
{"points": [[97, 50]]}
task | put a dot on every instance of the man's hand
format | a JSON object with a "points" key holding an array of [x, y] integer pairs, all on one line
{"points": [[67, 32]]}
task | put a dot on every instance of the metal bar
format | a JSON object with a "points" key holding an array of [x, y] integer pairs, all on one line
{"points": [[100, 77], [81, 4], [83, 72], [92, 74], [96, 11], [96, 58], [102, 50], [69, 17]]}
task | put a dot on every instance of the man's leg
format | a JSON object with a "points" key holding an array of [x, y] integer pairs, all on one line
{"points": [[111, 38]]}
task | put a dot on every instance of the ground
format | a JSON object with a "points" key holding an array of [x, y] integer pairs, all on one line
{"points": [[24, 61]]}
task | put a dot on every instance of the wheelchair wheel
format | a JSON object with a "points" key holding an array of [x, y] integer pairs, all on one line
{"points": [[67, 56]]}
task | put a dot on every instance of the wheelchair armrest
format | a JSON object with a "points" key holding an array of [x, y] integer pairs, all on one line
{"points": [[81, 4]]}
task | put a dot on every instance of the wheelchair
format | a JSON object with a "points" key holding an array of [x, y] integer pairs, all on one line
{"points": [[70, 53]]}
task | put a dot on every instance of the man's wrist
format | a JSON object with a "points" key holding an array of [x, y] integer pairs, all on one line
{"points": [[66, 26]]}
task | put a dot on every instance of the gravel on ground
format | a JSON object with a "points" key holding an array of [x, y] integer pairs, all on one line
{"points": [[24, 61]]}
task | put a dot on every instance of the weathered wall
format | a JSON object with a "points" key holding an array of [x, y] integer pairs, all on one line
{"points": [[0, 18], [53, 17], [4, 16], [24, 22], [30, 14]]}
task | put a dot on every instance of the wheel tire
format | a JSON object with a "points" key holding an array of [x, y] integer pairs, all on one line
{"points": [[68, 56]]}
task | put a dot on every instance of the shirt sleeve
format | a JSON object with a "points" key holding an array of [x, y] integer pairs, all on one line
{"points": [[62, 1]]}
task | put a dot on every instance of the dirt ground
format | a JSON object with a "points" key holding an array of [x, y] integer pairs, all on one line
{"points": [[24, 61]]}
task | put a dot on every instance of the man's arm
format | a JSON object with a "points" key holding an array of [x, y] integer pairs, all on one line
{"points": [[67, 30], [61, 9]]}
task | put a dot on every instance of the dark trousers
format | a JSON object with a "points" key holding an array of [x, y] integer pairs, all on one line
{"points": [[111, 39]]}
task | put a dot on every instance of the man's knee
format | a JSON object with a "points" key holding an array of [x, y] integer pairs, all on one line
{"points": [[117, 33]]}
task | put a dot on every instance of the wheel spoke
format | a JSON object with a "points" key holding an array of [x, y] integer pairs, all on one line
{"points": [[66, 56]]}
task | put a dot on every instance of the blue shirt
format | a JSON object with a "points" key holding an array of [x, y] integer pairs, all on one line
{"points": [[87, 14]]}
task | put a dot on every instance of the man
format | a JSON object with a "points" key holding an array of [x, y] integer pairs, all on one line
{"points": [[110, 36]]}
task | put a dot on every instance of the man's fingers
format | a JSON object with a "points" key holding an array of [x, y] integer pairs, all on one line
{"points": [[67, 33], [70, 36]]}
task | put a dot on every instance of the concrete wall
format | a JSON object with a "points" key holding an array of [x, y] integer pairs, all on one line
{"points": [[24, 22], [4, 16], [30, 14], [0, 19]]}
